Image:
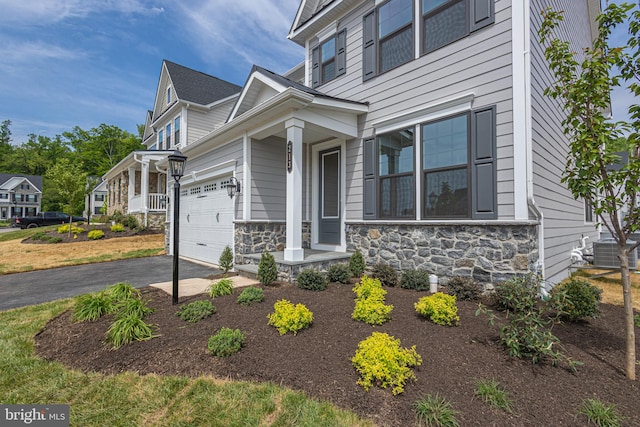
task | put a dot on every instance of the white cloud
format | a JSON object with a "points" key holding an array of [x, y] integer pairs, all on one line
{"points": [[14, 51], [44, 12], [253, 32]]}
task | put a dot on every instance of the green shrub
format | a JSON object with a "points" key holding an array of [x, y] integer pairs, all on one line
{"points": [[371, 311], [226, 259], [290, 318], [117, 228], [122, 291], [576, 299], [339, 273], [131, 222], [55, 239], [40, 235], [464, 288], [380, 360], [435, 411], [95, 234], [418, 280], [221, 287], [267, 269], [600, 414], [250, 295], [226, 342], [356, 264], [311, 280], [74, 229], [132, 307], [491, 392], [369, 305], [196, 311], [127, 329], [518, 294], [92, 306], [386, 274], [636, 320], [440, 308], [117, 217]]}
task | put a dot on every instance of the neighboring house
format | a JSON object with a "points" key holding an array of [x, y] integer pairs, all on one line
{"points": [[20, 195], [188, 105], [416, 131], [95, 200]]}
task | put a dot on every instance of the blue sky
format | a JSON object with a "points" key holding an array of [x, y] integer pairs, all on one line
{"points": [[66, 63]]}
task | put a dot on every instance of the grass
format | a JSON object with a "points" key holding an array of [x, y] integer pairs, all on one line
{"points": [[434, 410], [611, 286], [491, 392], [129, 399], [600, 414], [140, 253]]}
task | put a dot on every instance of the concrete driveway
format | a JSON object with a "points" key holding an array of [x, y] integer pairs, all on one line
{"points": [[34, 287]]}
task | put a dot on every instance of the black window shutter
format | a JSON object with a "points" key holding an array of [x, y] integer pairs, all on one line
{"points": [[341, 53], [483, 168], [369, 179], [369, 49], [315, 67], [482, 13]]}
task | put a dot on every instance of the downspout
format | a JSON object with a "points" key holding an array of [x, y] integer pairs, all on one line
{"points": [[531, 202]]}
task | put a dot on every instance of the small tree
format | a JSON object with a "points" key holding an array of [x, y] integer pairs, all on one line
{"points": [[226, 259], [267, 269], [583, 88], [70, 182]]}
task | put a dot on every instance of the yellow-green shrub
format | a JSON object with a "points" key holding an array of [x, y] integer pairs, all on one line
{"points": [[74, 229], [370, 307], [380, 360], [290, 318], [95, 234], [118, 228], [440, 308]]}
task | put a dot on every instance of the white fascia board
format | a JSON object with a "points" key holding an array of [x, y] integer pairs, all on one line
{"points": [[298, 31], [222, 101], [433, 111], [336, 104], [255, 77]]}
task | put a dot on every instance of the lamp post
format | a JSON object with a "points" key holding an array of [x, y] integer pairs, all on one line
{"points": [[176, 168]]}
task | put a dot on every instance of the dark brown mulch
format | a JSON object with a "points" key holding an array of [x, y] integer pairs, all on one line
{"points": [[318, 360], [83, 237]]}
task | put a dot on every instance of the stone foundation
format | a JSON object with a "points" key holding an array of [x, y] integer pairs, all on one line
{"points": [[488, 253], [256, 237], [155, 220]]}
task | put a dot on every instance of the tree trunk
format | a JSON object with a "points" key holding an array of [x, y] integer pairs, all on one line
{"points": [[630, 354]]}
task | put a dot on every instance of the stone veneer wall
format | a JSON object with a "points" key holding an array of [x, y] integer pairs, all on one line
{"points": [[112, 198], [155, 220], [488, 253], [255, 237]]}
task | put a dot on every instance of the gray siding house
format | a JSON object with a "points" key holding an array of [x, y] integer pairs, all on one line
{"points": [[20, 195], [414, 130]]}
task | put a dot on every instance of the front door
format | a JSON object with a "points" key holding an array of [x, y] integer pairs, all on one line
{"points": [[329, 194]]}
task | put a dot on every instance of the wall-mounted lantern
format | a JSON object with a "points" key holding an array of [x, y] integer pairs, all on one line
{"points": [[233, 186]]}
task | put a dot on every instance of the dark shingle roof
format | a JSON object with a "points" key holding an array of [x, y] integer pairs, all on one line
{"points": [[34, 179], [193, 86]]}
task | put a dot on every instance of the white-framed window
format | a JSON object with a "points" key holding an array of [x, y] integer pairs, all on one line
{"points": [[169, 95], [160, 139], [176, 131], [168, 143], [588, 212]]}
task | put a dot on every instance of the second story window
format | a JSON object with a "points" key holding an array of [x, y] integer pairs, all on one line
{"points": [[168, 95], [160, 139], [329, 59], [168, 144], [176, 131], [389, 35]]}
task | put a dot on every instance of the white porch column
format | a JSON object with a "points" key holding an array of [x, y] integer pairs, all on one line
{"points": [[132, 187], [293, 250], [144, 186]]}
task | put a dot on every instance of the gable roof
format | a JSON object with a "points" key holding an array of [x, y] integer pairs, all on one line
{"points": [[260, 78], [197, 87], [9, 181]]}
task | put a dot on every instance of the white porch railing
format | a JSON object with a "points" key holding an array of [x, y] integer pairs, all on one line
{"points": [[157, 202]]}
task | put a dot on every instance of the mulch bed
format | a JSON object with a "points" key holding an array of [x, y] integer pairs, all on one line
{"points": [[83, 237], [318, 360]]}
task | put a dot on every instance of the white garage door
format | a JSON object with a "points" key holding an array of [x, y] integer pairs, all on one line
{"points": [[206, 220]]}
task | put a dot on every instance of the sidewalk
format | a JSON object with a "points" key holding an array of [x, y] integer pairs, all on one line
{"points": [[195, 286]]}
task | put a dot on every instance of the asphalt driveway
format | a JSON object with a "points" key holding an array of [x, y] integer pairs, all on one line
{"points": [[34, 287]]}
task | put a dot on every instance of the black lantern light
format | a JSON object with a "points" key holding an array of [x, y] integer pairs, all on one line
{"points": [[233, 186], [176, 168]]}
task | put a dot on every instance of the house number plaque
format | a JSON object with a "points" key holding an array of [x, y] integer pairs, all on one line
{"points": [[289, 156]]}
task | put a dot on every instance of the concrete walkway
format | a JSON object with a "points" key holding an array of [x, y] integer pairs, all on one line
{"points": [[195, 286]]}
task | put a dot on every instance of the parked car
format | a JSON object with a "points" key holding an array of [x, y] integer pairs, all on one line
{"points": [[44, 218]]}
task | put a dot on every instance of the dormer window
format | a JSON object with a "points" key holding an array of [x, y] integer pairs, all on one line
{"points": [[169, 95], [329, 59]]}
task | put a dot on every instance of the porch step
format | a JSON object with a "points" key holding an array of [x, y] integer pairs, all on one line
{"points": [[247, 270]]}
